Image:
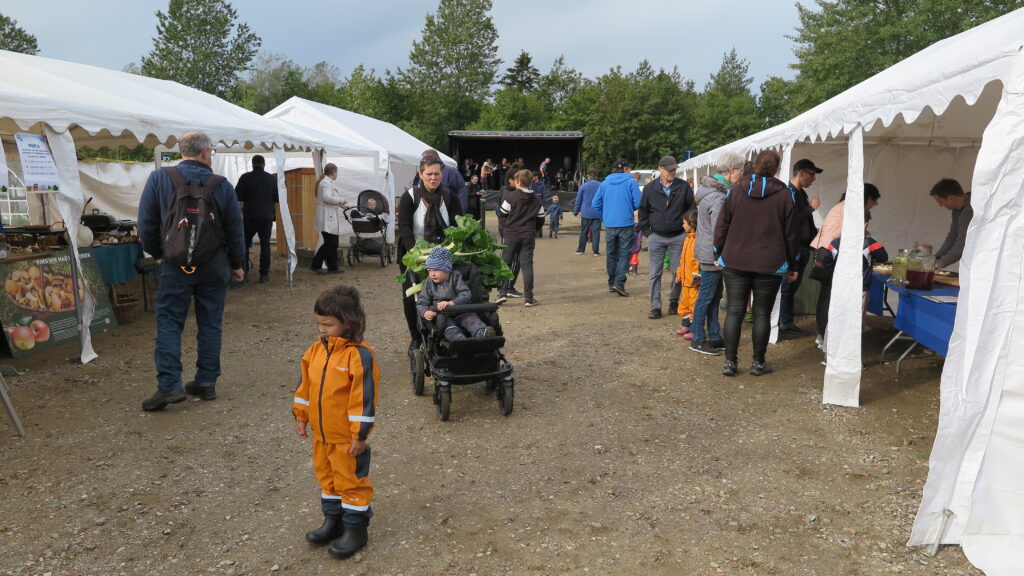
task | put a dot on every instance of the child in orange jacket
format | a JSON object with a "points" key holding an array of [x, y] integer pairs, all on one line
{"points": [[688, 274], [337, 401]]}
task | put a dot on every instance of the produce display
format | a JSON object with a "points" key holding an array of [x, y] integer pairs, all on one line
{"points": [[468, 242]]}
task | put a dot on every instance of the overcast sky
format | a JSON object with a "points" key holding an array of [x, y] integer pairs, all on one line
{"points": [[594, 35]]}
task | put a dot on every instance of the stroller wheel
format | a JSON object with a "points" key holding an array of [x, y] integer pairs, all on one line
{"points": [[383, 258], [349, 257], [506, 395], [416, 364], [443, 401]]}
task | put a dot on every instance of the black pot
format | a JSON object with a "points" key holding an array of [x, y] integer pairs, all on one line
{"points": [[98, 222]]}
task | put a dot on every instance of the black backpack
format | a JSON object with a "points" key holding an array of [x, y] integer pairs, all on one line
{"points": [[191, 229]]}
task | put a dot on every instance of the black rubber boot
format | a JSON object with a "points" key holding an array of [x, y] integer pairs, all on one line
{"points": [[332, 528], [351, 541]]}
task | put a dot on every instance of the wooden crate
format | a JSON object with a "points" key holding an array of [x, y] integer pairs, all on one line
{"points": [[301, 186]]}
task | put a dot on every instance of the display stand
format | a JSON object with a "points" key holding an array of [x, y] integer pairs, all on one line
{"points": [[8, 404]]}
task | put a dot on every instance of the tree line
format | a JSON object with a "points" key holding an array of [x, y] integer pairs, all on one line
{"points": [[454, 80]]}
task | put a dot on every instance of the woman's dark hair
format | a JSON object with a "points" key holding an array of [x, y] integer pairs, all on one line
{"points": [[870, 193], [767, 163], [342, 302], [429, 161], [867, 216], [691, 219]]}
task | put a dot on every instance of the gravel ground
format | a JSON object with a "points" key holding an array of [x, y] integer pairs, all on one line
{"points": [[626, 453]]}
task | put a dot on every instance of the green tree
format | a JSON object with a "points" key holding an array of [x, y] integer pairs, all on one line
{"points": [[265, 85], [840, 43], [513, 110], [555, 89], [522, 75], [15, 38], [199, 43], [451, 69], [776, 101], [727, 110]]}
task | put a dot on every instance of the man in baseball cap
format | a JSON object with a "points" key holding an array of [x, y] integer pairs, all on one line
{"points": [[804, 174], [662, 205]]}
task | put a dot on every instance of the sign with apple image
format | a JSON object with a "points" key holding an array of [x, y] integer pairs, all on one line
{"points": [[38, 310]]}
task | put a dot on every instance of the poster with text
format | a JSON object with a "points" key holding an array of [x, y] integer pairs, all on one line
{"points": [[37, 309], [37, 167]]}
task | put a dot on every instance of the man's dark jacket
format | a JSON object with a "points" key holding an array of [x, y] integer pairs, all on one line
{"points": [[663, 214], [257, 191]]}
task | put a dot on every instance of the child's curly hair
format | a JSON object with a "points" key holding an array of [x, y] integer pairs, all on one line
{"points": [[343, 303]]}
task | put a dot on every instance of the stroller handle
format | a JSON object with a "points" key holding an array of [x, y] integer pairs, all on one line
{"points": [[468, 308]]}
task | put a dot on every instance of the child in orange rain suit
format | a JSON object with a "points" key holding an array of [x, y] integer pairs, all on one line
{"points": [[337, 400], [688, 274]]}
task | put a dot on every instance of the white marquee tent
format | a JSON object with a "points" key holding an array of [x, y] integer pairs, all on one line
{"points": [[955, 109], [74, 104]]}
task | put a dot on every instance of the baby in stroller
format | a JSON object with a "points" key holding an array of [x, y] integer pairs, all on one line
{"points": [[445, 287]]}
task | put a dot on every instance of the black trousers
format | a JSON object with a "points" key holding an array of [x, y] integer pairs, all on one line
{"points": [[518, 254], [824, 300], [260, 228], [328, 252], [739, 285]]}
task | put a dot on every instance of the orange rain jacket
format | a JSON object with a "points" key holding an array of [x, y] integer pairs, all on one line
{"points": [[338, 392], [688, 275]]}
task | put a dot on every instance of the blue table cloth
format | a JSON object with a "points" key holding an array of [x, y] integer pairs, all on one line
{"points": [[876, 293], [117, 262], [930, 323]]}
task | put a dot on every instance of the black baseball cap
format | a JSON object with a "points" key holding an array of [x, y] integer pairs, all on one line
{"points": [[807, 165], [622, 164]]}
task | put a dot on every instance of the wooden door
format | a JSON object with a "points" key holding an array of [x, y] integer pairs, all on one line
{"points": [[301, 186]]}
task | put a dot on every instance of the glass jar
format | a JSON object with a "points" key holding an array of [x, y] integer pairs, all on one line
{"points": [[899, 267], [921, 267]]}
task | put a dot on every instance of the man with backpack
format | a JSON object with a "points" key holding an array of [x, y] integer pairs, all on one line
{"points": [[190, 222]]}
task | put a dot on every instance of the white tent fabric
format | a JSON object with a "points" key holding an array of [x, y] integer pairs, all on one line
{"points": [[400, 152], [955, 110], [75, 105]]}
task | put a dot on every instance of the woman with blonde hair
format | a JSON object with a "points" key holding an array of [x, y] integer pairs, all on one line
{"points": [[330, 207]]}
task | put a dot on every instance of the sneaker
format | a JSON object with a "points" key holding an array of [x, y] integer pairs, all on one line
{"points": [[729, 368], [530, 302], [819, 341], [673, 305], [160, 400], [720, 344], [513, 293], [194, 388], [683, 331], [654, 314], [824, 362], [453, 333], [688, 336], [597, 253], [487, 332], [579, 252], [501, 299], [620, 290], [791, 332], [264, 278], [760, 368], [705, 347]]}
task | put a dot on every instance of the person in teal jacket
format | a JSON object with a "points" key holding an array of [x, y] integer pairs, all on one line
{"points": [[616, 201]]}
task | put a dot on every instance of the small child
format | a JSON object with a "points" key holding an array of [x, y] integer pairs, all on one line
{"points": [[873, 252], [445, 287], [688, 274], [337, 399], [634, 256], [554, 217]]}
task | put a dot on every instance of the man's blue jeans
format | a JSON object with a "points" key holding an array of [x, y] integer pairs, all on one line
{"points": [[618, 246], [593, 225], [705, 310], [208, 286]]}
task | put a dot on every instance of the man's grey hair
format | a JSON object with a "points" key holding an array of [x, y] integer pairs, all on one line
{"points": [[192, 144], [728, 161]]}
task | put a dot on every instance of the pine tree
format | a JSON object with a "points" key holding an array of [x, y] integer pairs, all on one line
{"points": [[15, 38], [199, 43], [522, 75]]}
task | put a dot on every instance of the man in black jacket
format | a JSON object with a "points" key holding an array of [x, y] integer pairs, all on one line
{"points": [[804, 174], [257, 191], [521, 209], [662, 205]]}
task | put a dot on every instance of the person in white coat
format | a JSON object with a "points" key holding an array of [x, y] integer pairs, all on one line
{"points": [[330, 207]]}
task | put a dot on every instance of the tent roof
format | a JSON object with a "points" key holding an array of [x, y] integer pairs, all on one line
{"points": [[919, 89], [104, 107], [398, 145]]}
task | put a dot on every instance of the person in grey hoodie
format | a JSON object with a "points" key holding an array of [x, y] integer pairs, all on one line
{"points": [[706, 331]]}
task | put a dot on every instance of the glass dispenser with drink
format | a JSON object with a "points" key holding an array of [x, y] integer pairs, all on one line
{"points": [[920, 267]]}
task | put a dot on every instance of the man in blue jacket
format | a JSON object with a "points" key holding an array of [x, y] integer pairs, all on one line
{"points": [[590, 220], [207, 284], [617, 198]]}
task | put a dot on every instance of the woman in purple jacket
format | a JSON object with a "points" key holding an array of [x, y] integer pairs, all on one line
{"points": [[757, 243]]}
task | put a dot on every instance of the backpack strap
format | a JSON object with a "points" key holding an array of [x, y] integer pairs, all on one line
{"points": [[177, 180]]}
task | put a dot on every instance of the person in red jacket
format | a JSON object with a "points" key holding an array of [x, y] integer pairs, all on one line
{"points": [[337, 401], [757, 241]]}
